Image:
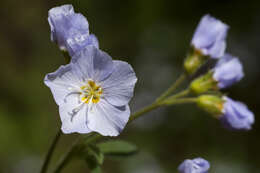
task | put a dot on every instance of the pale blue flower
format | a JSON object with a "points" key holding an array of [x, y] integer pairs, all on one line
{"points": [[70, 30], [236, 115], [210, 37], [93, 92], [228, 71], [197, 165]]}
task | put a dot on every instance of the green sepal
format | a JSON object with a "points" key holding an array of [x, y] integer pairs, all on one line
{"points": [[194, 60], [204, 83], [212, 104], [117, 148]]}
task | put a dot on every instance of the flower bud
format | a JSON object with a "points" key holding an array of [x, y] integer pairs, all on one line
{"points": [[210, 37], [193, 61], [228, 71], [236, 115], [197, 165], [209, 41], [203, 84], [211, 104]]}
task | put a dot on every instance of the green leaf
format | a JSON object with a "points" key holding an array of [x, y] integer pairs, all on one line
{"points": [[93, 153], [117, 147]]}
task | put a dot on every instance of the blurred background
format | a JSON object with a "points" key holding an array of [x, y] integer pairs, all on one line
{"points": [[153, 36]]}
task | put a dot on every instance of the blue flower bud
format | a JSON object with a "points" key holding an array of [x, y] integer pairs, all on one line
{"points": [[197, 165], [70, 30], [236, 115], [210, 37], [228, 70]]}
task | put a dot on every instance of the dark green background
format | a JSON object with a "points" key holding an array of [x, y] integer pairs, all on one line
{"points": [[151, 35]]}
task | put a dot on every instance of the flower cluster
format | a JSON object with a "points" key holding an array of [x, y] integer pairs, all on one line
{"points": [[92, 91], [209, 41]]}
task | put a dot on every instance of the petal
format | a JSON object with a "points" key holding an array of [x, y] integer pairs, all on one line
{"points": [[76, 122], [107, 119], [236, 115], [210, 36], [62, 82], [55, 14], [228, 70], [118, 88], [92, 63], [70, 30]]}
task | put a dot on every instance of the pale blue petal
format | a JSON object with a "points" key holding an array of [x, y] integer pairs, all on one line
{"points": [[118, 88], [70, 30], [197, 165], [62, 82], [92, 63], [228, 71], [107, 119], [74, 121], [210, 37], [236, 115], [55, 14]]}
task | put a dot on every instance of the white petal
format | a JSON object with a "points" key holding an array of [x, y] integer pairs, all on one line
{"points": [[62, 82], [107, 119], [74, 122], [92, 63], [118, 88]]}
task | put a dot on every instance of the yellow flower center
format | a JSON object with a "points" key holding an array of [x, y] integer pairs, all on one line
{"points": [[91, 92]]}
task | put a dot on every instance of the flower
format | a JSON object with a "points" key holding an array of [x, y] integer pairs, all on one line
{"points": [[236, 115], [228, 71], [197, 165], [209, 37], [70, 30], [93, 92]]}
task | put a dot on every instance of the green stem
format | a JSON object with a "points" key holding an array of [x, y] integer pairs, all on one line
{"points": [[50, 152], [66, 158], [174, 86], [180, 94], [143, 111], [179, 101]]}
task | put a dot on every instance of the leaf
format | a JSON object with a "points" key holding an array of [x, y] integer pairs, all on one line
{"points": [[92, 155], [117, 147]]}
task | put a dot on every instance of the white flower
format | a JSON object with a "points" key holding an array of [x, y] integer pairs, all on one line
{"points": [[93, 92]]}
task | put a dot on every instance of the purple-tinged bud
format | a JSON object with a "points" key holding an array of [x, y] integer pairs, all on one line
{"points": [[70, 30], [228, 71], [236, 115], [210, 37], [197, 165]]}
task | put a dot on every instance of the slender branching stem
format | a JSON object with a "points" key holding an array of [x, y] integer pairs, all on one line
{"points": [[50, 152], [172, 88]]}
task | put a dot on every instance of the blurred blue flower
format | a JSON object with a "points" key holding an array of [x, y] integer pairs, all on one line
{"points": [[228, 71], [210, 37], [70, 30], [93, 92], [236, 115], [197, 165]]}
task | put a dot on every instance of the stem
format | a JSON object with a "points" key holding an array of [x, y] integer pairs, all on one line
{"points": [[179, 101], [143, 111], [180, 94], [50, 152], [172, 88], [65, 159]]}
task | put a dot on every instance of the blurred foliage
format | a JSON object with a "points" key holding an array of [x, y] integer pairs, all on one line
{"points": [[151, 35]]}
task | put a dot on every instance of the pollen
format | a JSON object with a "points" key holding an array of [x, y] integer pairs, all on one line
{"points": [[91, 92]]}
